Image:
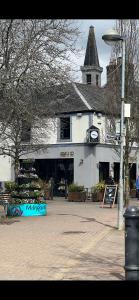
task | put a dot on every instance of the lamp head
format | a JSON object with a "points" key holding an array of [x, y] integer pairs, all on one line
{"points": [[111, 37]]}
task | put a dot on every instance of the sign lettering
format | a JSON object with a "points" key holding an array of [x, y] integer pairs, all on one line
{"points": [[67, 154]]}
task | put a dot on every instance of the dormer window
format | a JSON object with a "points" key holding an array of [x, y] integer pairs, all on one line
{"points": [[88, 78]]}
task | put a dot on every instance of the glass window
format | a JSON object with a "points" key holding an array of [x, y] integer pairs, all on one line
{"points": [[96, 79], [65, 128], [26, 132], [88, 78]]}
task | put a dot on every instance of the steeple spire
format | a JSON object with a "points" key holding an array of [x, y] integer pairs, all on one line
{"points": [[91, 56], [91, 71]]}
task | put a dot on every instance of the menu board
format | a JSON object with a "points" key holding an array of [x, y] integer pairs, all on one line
{"points": [[109, 195]]}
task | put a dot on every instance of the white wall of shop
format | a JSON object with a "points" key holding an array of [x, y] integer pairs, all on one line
{"points": [[79, 126], [5, 168]]}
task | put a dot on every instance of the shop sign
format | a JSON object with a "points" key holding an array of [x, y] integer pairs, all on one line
{"points": [[67, 154]]}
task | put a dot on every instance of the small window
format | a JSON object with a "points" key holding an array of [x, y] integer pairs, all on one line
{"points": [[97, 79], [88, 78], [26, 132], [65, 128]]}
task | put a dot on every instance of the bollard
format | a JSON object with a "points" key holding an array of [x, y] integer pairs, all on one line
{"points": [[132, 243]]}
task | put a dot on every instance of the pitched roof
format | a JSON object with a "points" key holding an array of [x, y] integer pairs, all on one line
{"points": [[73, 98], [91, 56]]}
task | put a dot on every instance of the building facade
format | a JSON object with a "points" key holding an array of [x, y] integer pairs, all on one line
{"points": [[80, 147]]}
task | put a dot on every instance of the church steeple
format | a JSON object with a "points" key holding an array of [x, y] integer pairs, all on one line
{"points": [[91, 71]]}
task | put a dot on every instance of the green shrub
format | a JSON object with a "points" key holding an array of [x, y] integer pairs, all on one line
{"points": [[73, 187], [100, 186], [10, 186]]}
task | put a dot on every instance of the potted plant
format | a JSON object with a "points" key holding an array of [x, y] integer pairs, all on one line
{"points": [[28, 163], [99, 189], [76, 192], [10, 186], [27, 199], [94, 194]]}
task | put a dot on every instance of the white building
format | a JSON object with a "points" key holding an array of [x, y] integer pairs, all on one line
{"points": [[79, 147]]}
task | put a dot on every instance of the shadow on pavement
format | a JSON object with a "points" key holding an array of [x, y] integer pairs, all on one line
{"points": [[119, 276], [7, 221], [89, 220]]}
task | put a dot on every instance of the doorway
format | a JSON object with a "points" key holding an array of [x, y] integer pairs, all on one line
{"points": [[56, 168], [103, 171]]}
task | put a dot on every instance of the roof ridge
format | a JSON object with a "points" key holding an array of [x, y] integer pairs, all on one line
{"points": [[81, 97]]}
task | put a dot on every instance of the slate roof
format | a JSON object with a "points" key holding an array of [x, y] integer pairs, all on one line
{"points": [[65, 98], [91, 56]]}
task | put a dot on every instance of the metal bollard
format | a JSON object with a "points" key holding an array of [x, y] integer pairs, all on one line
{"points": [[132, 243]]}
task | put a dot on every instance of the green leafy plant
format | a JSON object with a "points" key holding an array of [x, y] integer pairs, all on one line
{"points": [[73, 187], [10, 186], [100, 186]]}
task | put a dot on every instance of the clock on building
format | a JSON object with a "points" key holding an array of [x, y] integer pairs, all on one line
{"points": [[93, 135]]}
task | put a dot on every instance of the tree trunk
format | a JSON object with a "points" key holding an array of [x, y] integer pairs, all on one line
{"points": [[16, 168]]}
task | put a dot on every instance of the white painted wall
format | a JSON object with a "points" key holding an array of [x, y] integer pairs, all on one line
{"points": [[5, 168], [79, 127], [99, 122]]}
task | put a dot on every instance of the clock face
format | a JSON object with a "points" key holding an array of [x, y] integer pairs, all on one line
{"points": [[94, 134]]}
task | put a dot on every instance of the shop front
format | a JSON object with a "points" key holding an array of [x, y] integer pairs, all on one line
{"points": [[61, 170]]}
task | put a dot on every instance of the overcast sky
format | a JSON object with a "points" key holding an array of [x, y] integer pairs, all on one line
{"points": [[104, 51]]}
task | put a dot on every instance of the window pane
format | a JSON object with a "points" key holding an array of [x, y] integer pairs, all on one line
{"points": [[26, 132], [65, 128], [88, 78]]}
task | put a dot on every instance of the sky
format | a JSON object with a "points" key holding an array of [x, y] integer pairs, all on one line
{"points": [[104, 51]]}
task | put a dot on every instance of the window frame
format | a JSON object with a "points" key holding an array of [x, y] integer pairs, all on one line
{"points": [[59, 139], [88, 75]]}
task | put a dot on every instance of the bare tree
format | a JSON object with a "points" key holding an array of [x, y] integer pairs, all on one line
{"points": [[34, 56], [128, 28]]}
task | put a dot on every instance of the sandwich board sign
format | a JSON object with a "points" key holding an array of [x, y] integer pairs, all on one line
{"points": [[109, 195]]}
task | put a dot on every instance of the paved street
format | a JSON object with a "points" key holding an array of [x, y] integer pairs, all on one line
{"points": [[75, 241]]}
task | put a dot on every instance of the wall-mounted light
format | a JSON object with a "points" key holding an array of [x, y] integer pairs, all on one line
{"points": [[81, 162], [79, 115], [99, 115]]}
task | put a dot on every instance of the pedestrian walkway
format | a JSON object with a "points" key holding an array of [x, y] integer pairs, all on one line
{"points": [[75, 241]]}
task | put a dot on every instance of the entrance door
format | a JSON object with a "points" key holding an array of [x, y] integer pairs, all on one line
{"points": [[103, 171], [132, 175], [59, 169], [116, 172]]}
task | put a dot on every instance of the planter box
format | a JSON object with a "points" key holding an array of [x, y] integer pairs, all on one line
{"points": [[26, 210], [100, 195], [133, 193], [77, 196], [94, 197]]}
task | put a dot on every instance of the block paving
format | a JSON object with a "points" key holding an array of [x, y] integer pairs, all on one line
{"points": [[75, 241]]}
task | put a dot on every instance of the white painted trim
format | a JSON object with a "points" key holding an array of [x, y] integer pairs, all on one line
{"points": [[82, 97]]}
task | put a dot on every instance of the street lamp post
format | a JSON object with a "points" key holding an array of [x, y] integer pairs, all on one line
{"points": [[110, 38]]}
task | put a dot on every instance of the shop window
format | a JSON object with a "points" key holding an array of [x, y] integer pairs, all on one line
{"points": [[65, 128]]}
